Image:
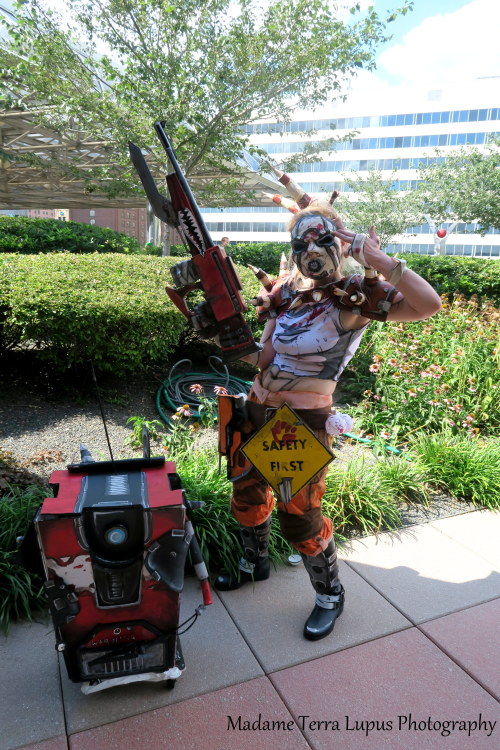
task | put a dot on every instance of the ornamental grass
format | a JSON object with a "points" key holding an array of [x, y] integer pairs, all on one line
{"points": [[467, 468], [21, 592]]}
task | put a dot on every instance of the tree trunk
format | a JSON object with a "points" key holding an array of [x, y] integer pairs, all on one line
{"points": [[166, 240]]}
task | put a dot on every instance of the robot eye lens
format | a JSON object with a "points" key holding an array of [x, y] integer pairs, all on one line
{"points": [[116, 535]]}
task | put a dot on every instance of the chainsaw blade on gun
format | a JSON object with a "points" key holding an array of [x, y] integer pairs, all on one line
{"points": [[162, 207], [221, 313]]}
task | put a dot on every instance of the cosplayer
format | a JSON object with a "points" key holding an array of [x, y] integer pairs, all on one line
{"points": [[315, 321]]}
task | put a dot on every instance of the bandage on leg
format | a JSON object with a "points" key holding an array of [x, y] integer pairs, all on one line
{"points": [[323, 571], [254, 566]]}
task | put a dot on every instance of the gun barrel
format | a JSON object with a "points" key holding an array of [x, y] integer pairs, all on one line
{"points": [[160, 131]]}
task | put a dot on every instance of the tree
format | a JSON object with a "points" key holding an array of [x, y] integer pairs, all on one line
{"points": [[377, 202], [116, 66], [463, 186]]}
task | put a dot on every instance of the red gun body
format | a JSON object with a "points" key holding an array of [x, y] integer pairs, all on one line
{"points": [[209, 270]]}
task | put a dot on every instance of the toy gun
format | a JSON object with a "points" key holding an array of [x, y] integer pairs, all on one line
{"points": [[209, 269]]}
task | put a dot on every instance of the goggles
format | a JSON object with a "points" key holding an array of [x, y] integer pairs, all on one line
{"points": [[322, 239]]}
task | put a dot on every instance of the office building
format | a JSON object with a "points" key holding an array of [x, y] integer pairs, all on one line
{"points": [[131, 221], [395, 129]]}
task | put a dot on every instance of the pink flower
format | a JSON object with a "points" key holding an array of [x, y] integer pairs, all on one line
{"points": [[196, 388], [183, 411], [220, 390], [374, 368]]}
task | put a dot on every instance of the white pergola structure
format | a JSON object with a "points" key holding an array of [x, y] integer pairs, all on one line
{"points": [[28, 179]]}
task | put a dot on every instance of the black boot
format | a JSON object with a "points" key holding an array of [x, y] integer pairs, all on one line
{"points": [[255, 565], [321, 620], [323, 572]]}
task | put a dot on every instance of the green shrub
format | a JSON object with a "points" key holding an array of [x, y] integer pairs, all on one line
{"points": [[108, 308], [452, 274], [437, 373], [150, 249], [265, 255], [113, 309], [448, 275], [403, 479], [19, 234]]}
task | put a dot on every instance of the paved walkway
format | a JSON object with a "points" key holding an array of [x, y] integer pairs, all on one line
{"points": [[413, 662]]}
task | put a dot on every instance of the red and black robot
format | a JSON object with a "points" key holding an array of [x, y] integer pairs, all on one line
{"points": [[113, 543]]}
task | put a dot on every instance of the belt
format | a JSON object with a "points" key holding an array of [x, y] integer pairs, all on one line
{"points": [[258, 414]]}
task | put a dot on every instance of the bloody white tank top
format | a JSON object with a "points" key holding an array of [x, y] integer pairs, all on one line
{"points": [[310, 341]]}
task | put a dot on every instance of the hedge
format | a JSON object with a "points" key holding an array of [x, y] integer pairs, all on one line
{"points": [[451, 274], [266, 255], [447, 274], [19, 234], [71, 309], [105, 307], [114, 310]]}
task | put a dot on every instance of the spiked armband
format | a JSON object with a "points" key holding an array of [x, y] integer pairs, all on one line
{"points": [[369, 297], [270, 302]]}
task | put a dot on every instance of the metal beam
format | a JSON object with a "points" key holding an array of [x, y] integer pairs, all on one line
{"points": [[25, 185]]}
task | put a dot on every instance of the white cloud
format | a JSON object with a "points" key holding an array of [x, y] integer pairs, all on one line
{"points": [[447, 47]]}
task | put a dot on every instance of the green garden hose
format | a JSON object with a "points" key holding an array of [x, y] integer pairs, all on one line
{"points": [[175, 390], [367, 441]]}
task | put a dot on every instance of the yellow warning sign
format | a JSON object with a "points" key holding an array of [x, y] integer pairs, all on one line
{"points": [[286, 452]]}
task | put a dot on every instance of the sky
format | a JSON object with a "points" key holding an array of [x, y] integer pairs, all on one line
{"points": [[441, 41]]}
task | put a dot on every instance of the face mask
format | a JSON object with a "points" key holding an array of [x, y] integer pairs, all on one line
{"points": [[314, 248]]}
